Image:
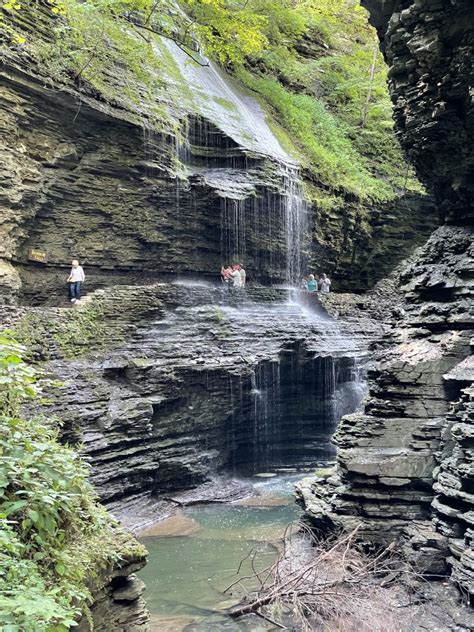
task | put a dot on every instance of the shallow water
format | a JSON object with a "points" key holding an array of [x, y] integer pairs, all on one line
{"points": [[187, 574]]}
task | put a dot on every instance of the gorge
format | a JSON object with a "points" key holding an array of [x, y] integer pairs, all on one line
{"points": [[177, 391]]}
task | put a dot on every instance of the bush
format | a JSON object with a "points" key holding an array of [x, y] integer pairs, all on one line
{"points": [[54, 538]]}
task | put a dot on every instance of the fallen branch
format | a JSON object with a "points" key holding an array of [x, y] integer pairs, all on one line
{"points": [[325, 582]]}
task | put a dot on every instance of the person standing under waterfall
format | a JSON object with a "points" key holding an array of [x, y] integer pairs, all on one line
{"points": [[311, 284], [75, 279], [324, 283], [225, 276], [243, 274], [235, 276]]}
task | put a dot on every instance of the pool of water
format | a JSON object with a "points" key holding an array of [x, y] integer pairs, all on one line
{"points": [[188, 572]]}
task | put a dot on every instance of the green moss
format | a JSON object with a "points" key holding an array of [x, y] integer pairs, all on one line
{"points": [[323, 139], [323, 472], [219, 316], [332, 106], [69, 333], [225, 103], [283, 138]]}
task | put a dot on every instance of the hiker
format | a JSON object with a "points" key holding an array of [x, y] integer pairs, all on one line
{"points": [[243, 274], [225, 273], [304, 283], [225, 276], [324, 283], [311, 284], [75, 278], [235, 276]]}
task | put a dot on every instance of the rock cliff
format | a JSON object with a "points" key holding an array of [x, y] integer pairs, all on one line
{"points": [[404, 467], [428, 48], [180, 383], [136, 194]]}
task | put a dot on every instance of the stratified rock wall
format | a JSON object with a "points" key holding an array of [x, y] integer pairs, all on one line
{"points": [[118, 602], [428, 46], [193, 381], [404, 467], [79, 182], [88, 175]]}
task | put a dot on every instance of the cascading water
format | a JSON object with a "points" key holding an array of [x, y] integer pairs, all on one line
{"points": [[234, 165], [266, 437], [263, 224], [233, 230], [274, 409], [297, 402], [296, 221], [226, 144]]}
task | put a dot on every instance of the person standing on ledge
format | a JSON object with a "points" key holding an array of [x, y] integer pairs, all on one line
{"points": [[243, 274], [324, 283], [75, 278], [235, 276], [311, 284]]}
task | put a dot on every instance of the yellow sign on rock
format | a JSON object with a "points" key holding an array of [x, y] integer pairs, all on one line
{"points": [[34, 254]]}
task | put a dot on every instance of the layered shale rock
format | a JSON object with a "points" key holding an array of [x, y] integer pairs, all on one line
{"points": [[89, 174], [393, 459], [90, 186], [193, 381], [118, 602], [404, 467], [428, 47], [454, 499]]}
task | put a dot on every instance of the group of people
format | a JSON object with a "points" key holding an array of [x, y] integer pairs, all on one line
{"points": [[233, 276], [323, 284]]}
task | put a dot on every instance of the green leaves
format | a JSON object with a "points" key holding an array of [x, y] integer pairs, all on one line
{"points": [[10, 508], [51, 531], [17, 380]]}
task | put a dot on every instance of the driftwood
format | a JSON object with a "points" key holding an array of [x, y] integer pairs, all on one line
{"points": [[291, 584], [335, 581]]}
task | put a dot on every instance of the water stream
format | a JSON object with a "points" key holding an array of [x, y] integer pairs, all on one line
{"points": [[197, 553], [230, 166]]}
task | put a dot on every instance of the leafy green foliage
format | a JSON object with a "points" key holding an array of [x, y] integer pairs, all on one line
{"points": [[314, 63], [325, 82], [17, 380], [327, 147], [52, 533]]}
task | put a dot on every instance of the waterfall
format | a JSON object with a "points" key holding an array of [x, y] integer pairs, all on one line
{"points": [[254, 215], [296, 222], [233, 230], [266, 413], [226, 143], [296, 403]]}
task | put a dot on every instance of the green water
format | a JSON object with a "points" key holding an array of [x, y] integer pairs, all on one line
{"points": [[187, 574]]}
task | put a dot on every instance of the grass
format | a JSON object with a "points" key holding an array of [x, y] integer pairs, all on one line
{"points": [[326, 146]]}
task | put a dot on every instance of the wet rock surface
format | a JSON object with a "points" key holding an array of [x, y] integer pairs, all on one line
{"points": [[181, 196], [403, 466], [193, 381]]}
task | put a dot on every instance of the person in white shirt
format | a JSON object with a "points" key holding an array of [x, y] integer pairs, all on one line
{"points": [[243, 275], [235, 276], [324, 283], [75, 279]]}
